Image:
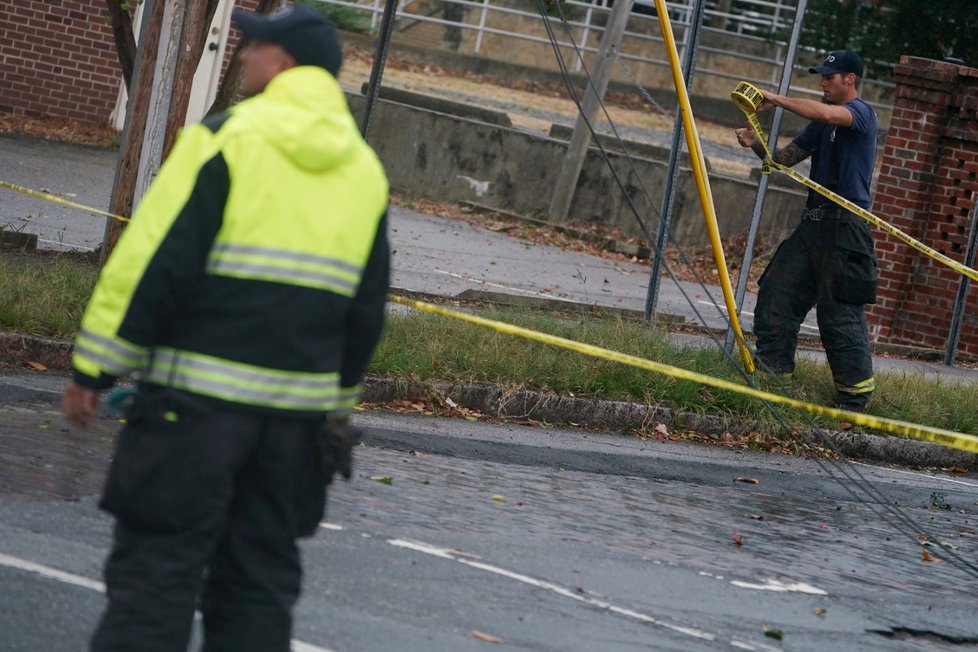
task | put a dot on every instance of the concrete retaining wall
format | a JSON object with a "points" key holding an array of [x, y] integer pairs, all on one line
{"points": [[450, 158]]}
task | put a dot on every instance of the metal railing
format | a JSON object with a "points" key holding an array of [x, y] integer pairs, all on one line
{"points": [[748, 22]]}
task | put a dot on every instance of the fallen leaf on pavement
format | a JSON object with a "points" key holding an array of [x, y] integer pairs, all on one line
{"points": [[776, 634], [959, 469], [498, 498], [738, 539], [382, 479], [36, 366], [488, 638], [748, 480], [662, 429], [820, 611], [757, 517], [926, 556]]}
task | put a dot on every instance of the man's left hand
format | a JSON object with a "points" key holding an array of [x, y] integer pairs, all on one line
{"points": [[79, 405]]}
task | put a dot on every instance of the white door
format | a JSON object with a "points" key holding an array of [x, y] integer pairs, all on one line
{"points": [[208, 75]]}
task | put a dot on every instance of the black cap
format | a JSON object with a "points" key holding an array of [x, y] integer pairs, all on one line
{"points": [[309, 36], [840, 61]]}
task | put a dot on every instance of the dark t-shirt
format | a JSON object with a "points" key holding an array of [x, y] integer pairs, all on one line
{"points": [[855, 152]]}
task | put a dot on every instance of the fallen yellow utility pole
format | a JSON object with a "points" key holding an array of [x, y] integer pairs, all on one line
{"points": [[702, 182]]}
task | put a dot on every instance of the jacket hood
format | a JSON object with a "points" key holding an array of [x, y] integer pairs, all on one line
{"points": [[304, 114]]}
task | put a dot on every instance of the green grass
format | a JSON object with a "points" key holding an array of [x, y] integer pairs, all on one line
{"points": [[430, 348], [45, 295]]}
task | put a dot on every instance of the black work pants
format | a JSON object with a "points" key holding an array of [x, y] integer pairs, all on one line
{"points": [[209, 505], [829, 264]]}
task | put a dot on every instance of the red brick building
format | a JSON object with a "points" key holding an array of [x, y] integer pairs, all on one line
{"points": [[927, 188], [57, 58]]}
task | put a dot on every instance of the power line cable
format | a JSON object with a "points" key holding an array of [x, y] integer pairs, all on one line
{"points": [[832, 468]]}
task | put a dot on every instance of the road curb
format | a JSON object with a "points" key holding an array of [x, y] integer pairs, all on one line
{"points": [[501, 402], [613, 416]]}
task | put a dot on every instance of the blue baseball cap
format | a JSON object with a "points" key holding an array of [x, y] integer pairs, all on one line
{"points": [[309, 36], [843, 61]]}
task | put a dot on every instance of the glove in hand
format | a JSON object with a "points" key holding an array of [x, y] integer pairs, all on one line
{"points": [[336, 442]]}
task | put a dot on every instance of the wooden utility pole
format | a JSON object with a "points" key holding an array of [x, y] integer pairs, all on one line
{"points": [[570, 169], [167, 58], [137, 112], [190, 46]]}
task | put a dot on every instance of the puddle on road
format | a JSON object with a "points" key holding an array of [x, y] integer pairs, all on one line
{"points": [[40, 456], [827, 545]]}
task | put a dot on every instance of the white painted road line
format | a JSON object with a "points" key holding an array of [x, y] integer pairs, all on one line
{"points": [[575, 594], [77, 580], [50, 573]]}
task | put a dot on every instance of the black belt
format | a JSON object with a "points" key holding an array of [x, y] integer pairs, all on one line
{"points": [[820, 212]]}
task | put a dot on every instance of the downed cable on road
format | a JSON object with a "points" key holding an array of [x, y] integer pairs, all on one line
{"points": [[950, 438], [856, 481]]}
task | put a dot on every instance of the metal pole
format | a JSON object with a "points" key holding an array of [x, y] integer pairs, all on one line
{"points": [[570, 169], [786, 72], [954, 336], [380, 59], [672, 171], [482, 26]]}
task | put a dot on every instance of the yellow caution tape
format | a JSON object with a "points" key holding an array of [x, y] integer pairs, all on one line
{"points": [[949, 438], [748, 99], [59, 200]]}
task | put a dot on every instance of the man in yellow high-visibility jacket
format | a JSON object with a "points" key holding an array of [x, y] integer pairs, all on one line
{"points": [[246, 296]]}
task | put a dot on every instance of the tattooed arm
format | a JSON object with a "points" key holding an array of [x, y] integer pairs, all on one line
{"points": [[787, 156]]}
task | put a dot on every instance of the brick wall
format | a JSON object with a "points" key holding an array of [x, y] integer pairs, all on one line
{"points": [[57, 58], [927, 188]]}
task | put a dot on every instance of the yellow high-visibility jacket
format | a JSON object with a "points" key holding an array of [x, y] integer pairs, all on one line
{"points": [[256, 268]]}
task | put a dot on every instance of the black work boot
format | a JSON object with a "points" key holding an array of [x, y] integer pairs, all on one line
{"points": [[851, 402]]}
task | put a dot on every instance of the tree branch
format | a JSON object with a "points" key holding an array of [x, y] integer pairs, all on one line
{"points": [[125, 41]]}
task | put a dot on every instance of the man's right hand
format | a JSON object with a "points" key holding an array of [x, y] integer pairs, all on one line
{"points": [[745, 136], [336, 441], [79, 404]]}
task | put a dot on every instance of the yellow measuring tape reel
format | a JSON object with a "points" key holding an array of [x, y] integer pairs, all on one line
{"points": [[749, 100]]}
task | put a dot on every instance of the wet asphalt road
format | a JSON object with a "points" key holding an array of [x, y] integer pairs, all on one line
{"points": [[545, 539]]}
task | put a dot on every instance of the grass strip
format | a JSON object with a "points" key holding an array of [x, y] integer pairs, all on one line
{"points": [[45, 295]]}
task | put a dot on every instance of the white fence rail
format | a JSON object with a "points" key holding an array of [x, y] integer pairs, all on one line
{"points": [[743, 30]]}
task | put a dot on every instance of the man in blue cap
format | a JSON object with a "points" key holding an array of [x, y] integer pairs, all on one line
{"points": [[246, 296], [829, 261]]}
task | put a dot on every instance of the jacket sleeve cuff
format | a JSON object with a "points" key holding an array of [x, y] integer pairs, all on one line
{"points": [[104, 381], [347, 401]]}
